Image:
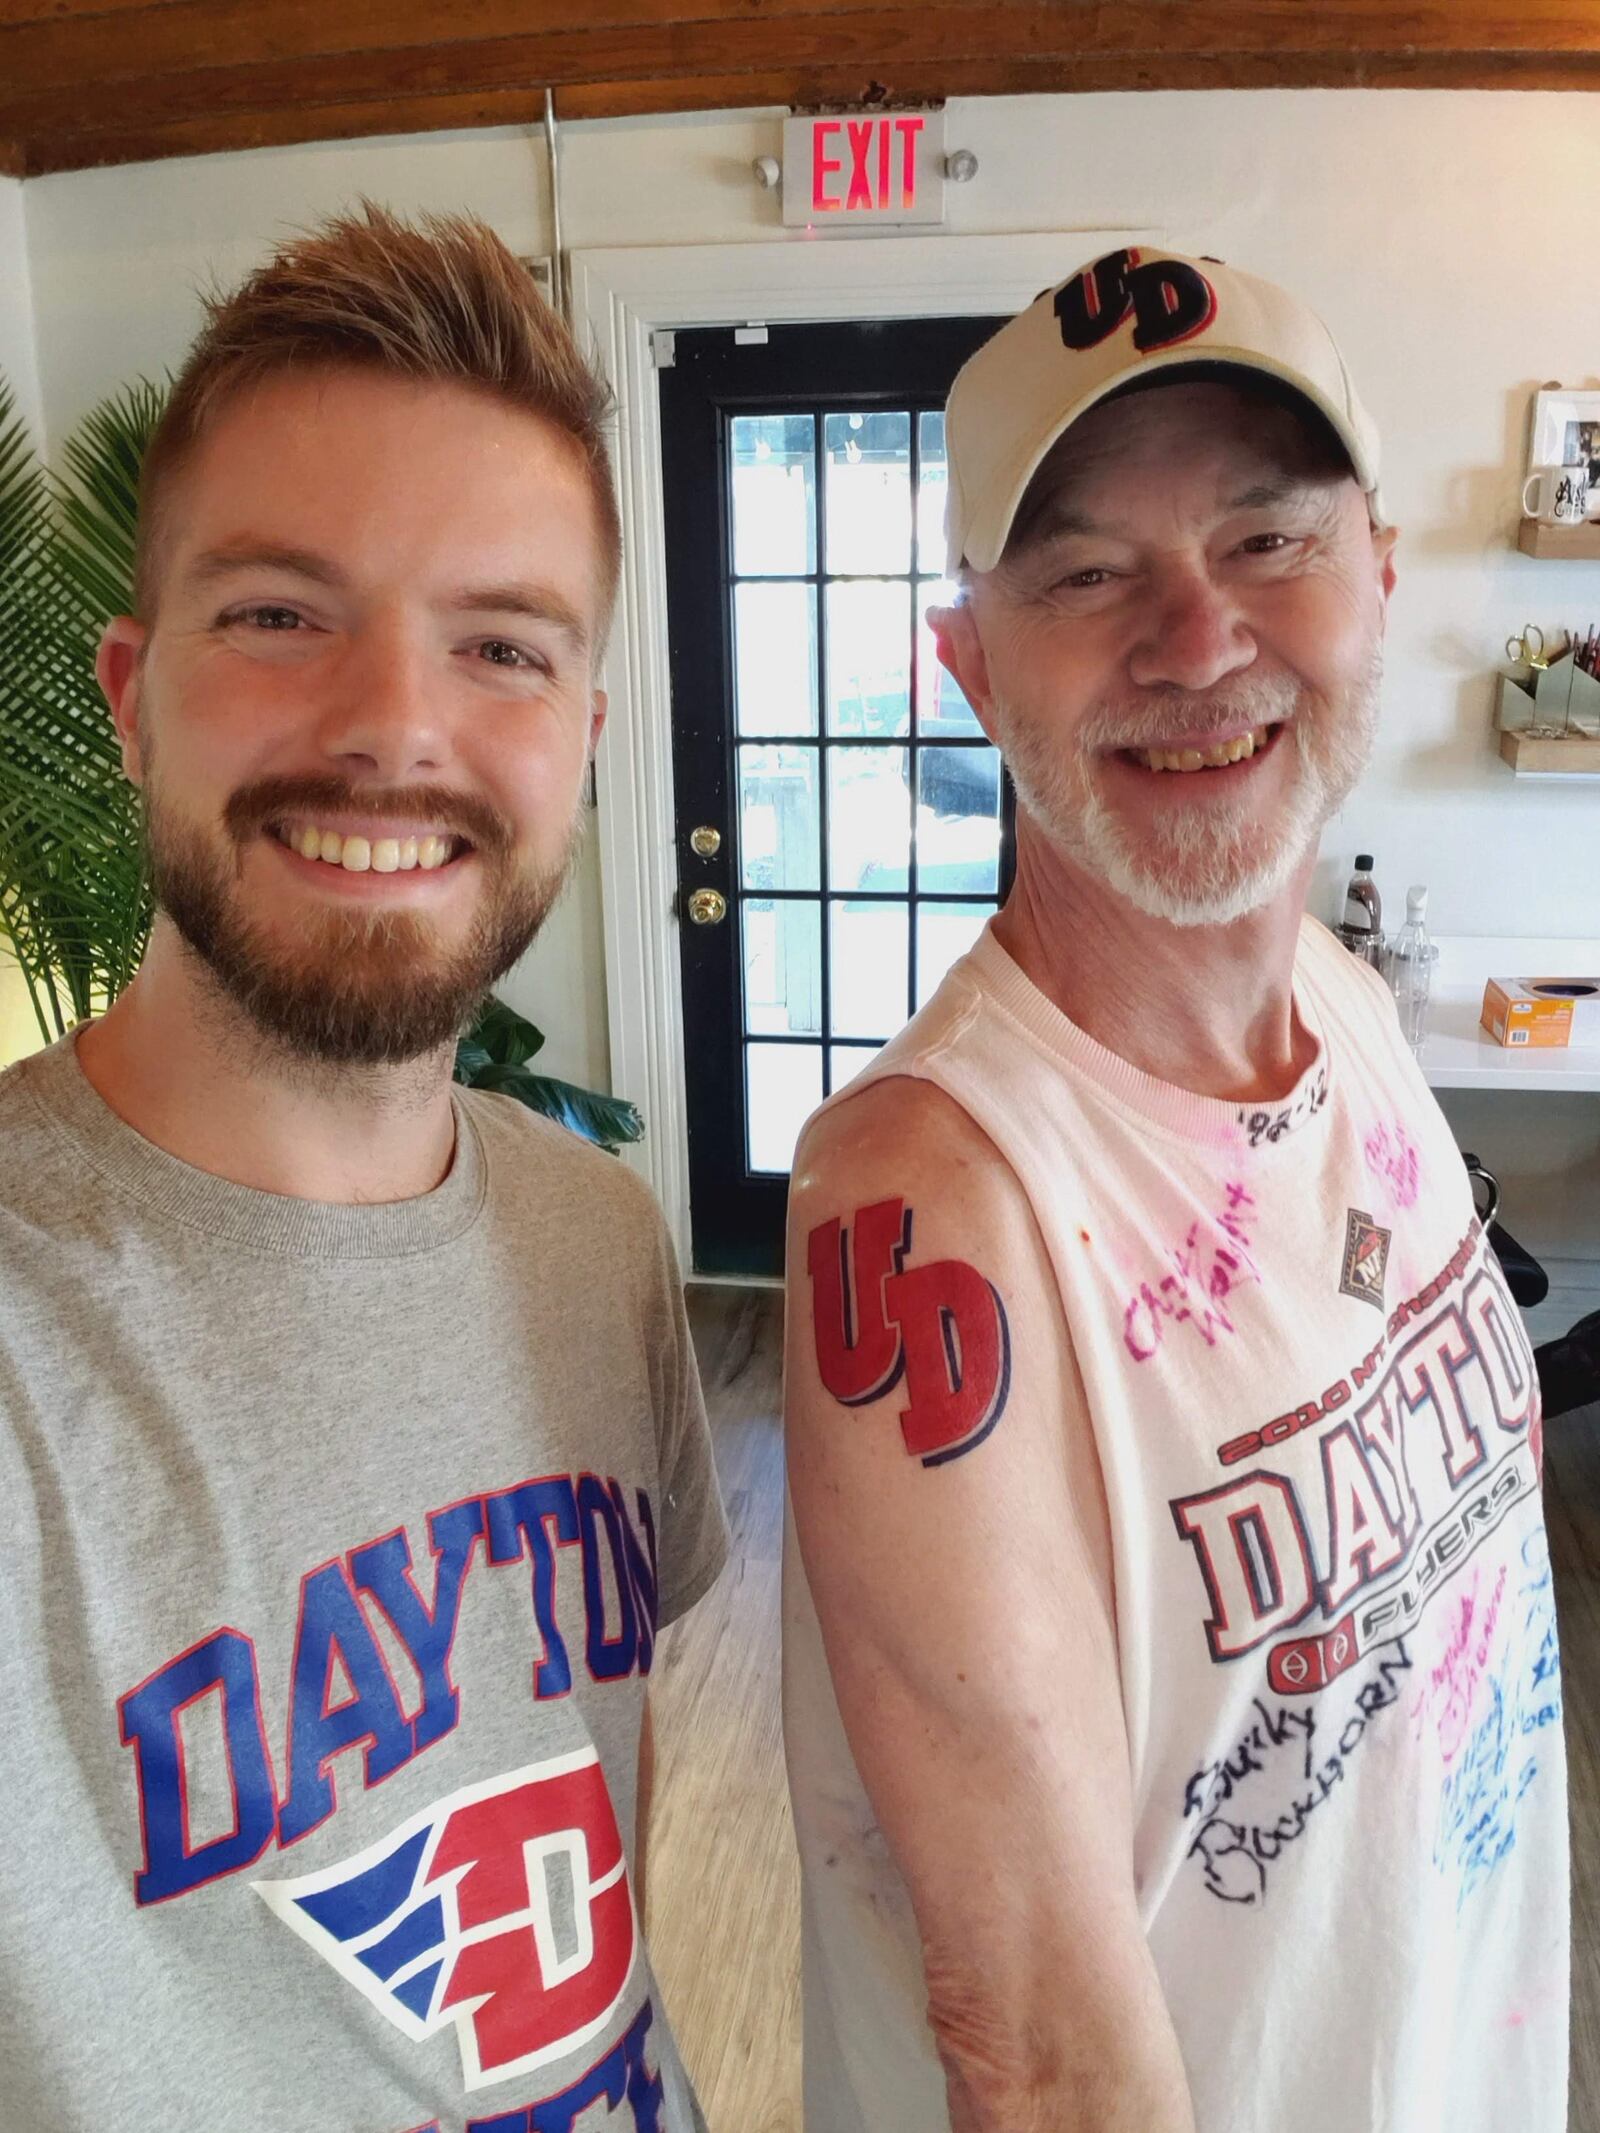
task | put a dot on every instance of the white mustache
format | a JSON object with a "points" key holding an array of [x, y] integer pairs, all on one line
{"points": [[1258, 703]]}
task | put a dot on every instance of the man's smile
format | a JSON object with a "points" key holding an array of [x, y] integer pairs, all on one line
{"points": [[362, 851], [1191, 752]]}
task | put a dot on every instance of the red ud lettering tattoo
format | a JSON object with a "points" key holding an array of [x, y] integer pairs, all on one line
{"points": [[942, 1327]]}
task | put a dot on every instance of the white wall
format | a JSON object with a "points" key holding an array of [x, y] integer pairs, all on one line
{"points": [[18, 1030], [18, 356], [1442, 235]]}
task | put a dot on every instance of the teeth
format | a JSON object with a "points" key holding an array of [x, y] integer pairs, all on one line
{"points": [[1218, 758], [361, 855]]}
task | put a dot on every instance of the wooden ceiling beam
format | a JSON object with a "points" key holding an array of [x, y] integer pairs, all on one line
{"points": [[279, 126], [180, 36], [136, 43], [29, 11], [851, 47]]}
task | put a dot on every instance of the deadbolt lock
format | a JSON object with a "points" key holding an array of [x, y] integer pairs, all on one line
{"points": [[705, 842], [708, 907]]}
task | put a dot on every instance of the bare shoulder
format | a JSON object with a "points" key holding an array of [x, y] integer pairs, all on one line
{"points": [[906, 1134], [939, 1444], [917, 1277]]}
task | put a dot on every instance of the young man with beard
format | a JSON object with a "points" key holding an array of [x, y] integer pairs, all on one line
{"points": [[349, 1429], [1164, 1445]]}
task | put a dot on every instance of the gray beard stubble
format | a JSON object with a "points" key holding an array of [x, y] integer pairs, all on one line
{"points": [[1200, 876]]}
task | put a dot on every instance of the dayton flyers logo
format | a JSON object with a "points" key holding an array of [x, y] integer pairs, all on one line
{"points": [[1168, 300], [942, 1326], [504, 1909]]}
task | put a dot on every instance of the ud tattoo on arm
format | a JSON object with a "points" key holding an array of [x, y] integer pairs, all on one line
{"points": [[942, 1327]]}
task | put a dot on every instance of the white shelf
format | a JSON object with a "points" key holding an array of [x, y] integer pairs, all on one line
{"points": [[1456, 1053], [1459, 1055]]}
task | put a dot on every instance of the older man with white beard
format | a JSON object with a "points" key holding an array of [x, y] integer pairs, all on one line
{"points": [[1172, 1696]]}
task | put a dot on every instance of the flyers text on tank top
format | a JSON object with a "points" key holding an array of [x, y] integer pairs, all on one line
{"points": [[1400, 1582]]}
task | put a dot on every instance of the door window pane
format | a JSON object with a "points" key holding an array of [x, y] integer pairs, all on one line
{"points": [[774, 494], [944, 934], [845, 1062], [943, 713], [958, 821], [932, 487], [869, 658], [782, 967], [783, 1086], [775, 658], [779, 842], [869, 818], [868, 968], [868, 474]]}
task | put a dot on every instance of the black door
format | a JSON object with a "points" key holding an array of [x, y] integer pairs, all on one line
{"points": [[843, 828]]}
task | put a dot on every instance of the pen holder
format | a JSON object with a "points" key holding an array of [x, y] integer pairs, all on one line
{"points": [[1559, 698]]}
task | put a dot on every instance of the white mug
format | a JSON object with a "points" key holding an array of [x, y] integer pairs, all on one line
{"points": [[1560, 495]]}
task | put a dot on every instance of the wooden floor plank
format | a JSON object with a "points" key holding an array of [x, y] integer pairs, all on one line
{"points": [[724, 1899], [724, 1889]]}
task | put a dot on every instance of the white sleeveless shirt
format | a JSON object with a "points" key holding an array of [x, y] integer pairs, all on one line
{"points": [[1316, 1414]]}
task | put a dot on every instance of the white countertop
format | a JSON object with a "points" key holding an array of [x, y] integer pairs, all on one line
{"points": [[1457, 1054]]}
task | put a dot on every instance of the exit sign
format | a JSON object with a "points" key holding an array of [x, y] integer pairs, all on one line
{"points": [[864, 167]]}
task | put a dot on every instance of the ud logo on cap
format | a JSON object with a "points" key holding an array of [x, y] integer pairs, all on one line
{"points": [[1129, 316], [1168, 299]]}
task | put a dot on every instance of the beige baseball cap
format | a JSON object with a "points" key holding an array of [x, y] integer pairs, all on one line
{"points": [[1128, 315]]}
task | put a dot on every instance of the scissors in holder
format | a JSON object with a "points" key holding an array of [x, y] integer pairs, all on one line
{"points": [[1527, 648]]}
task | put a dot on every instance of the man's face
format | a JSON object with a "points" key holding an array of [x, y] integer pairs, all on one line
{"points": [[1180, 661], [365, 706]]}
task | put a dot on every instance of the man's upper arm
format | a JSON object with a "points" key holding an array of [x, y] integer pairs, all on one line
{"points": [[952, 1524]]}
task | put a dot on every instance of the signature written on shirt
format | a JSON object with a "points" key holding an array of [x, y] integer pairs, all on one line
{"points": [[1237, 1855], [1214, 1259]]}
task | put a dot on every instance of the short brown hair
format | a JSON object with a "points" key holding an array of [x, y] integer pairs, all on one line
{"points": [[440, 300]]}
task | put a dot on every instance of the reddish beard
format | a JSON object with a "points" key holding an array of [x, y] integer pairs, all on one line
{"points": [[357, 986]]}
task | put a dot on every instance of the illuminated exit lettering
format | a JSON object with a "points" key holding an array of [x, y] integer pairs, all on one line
{"points": [[881, 157], [879, 167]]}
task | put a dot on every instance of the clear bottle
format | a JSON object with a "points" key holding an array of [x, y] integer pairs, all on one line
{"points": [[1361, 929], [1411, 963]]}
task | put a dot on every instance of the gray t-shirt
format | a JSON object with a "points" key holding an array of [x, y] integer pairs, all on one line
{"points": [[337, 1539]]}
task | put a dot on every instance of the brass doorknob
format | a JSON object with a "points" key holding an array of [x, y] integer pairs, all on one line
{"points": [[708, 907], [705, 842]]}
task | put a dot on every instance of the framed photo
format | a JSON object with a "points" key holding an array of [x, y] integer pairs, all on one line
{"points": [[1566, 427]]}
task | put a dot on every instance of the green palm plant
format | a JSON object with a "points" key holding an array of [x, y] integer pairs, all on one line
{"points": [[74, 903], [74, 897]]}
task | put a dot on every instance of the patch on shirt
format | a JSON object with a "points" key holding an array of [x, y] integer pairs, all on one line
{"points": [[504, 1909], [1366, 1259]]}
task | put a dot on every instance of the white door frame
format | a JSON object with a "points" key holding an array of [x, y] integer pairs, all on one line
{"points": [[621, 299]]}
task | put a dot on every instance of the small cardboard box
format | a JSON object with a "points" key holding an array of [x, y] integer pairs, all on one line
{"points": [[1548, 1012]]}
